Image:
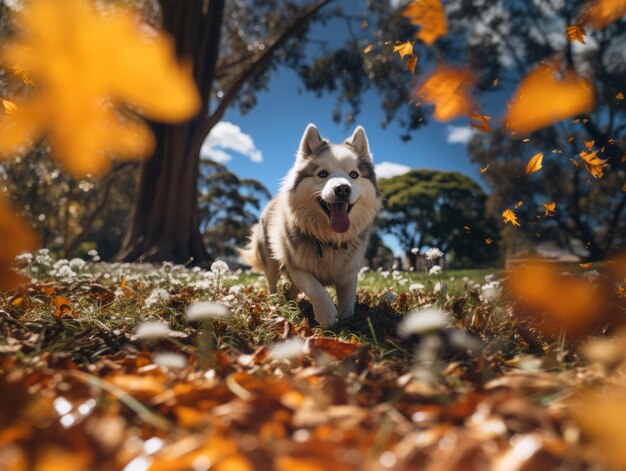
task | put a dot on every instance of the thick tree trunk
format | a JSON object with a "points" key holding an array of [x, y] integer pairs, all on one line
{"points": [[165, 222]]}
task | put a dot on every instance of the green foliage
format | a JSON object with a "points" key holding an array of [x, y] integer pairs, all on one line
{"points": [[442, 209]]}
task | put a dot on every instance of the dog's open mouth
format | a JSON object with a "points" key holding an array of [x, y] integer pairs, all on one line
{"points": [[337, 214]]}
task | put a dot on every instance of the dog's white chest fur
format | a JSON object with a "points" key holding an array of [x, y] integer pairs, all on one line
{"points": [[317, 228]]}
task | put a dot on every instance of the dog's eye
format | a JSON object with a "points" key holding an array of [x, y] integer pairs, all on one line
{"points": [[354, 175], [323, 174]]}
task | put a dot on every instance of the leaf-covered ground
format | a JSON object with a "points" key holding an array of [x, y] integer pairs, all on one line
{"points": [[105, 367]]}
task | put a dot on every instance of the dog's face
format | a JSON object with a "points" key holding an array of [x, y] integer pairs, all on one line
{"points": [[332, 187]]}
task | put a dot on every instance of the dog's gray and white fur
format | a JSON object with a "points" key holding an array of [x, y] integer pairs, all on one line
{"points": [[316, 229]]}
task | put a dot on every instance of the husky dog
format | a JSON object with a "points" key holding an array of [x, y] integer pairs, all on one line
{"points": [[316, 229]]}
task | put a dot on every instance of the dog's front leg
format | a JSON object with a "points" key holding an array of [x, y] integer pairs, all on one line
{"points": [[346, 295], [323, 307]]}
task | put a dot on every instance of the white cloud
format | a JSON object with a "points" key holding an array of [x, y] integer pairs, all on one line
{"points": [[390, 169], [459, 134], [226, 138]]}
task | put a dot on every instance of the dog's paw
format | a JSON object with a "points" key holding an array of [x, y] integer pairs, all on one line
{"points": [[326, 316]]}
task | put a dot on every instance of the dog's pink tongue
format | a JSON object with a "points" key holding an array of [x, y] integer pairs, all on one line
{"points": [[339, 220]]}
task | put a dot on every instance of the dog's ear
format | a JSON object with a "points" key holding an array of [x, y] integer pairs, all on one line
{"points": [[311, 142], [358, 141]]}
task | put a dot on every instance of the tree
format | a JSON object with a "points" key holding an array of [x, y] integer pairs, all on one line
{"points": [[504, 40], [441, 209], [233, 47], [229, 206]]}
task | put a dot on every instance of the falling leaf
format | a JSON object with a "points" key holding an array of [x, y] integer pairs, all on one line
{"points": [[571, 139], [9, 106], [510, 216], [542, 99], [575, 33], [526, 140], [535, 163], [488, 241], [16, 236], [601, 13], [368, 48], [624, 187], [404, 49], [518, 204], [467, 228], [496, 82], [430, 16], [89, 68], [484, 169], [589, 144], [593, 163], [550, 208], [447, 89], [482, 124], [364, 24], [410, 64], [585, 265], [619, 96]]}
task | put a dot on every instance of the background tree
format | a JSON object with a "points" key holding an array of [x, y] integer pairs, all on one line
{"points": [[504, 40], [229, 206], [441, 209], [234, 46]]}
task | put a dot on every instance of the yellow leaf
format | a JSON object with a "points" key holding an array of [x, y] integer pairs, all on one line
{"points": [[410, 64], [542, 99], [601, 13], [404, 49], [484, 169], [488, 241], [364, 24], [368, 48], [550, 208], [593, 163], [585, 265], [589, 144], [526, 140], [619, 96], [496, 82], [9, 106], [447, 89], [518, 204], [510, 216], [482, 124], [430, 16], [534, 164], [575, 33], [89, 70], [21, 73]]}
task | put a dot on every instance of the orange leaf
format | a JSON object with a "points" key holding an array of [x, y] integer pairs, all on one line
{"points": [[575, 33], [585, 265], [488, 241], [404, 49], [619, 96], [484, 169], [518, 204], [593, 163], [339, 349], [467, 228], [447, 89], [410, 64], [430, 16], [16, 236], [602, 13], [510, 216], [368, 48], [91, 69], [534, 164], [542, 99], [589, 144], [550, 208], [482, 124], [63, 306], [9, 106], [364, 24]]}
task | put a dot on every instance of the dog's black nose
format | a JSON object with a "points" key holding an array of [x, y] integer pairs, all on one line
{"points": [[342, 191]]}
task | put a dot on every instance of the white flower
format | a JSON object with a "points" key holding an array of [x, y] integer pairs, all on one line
{"points": [[219, 267], [591, 275], [65, 273], [24, 258], [415, 250], [167, 267], [385, 274], [206, 310], [490, 290], [288, 349], [158, 296], [77, 264], [153, 330], [170, 360], [489, 278], [435, 270], [441, 288], [416, 287], [433, 253], [417, 322]]}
